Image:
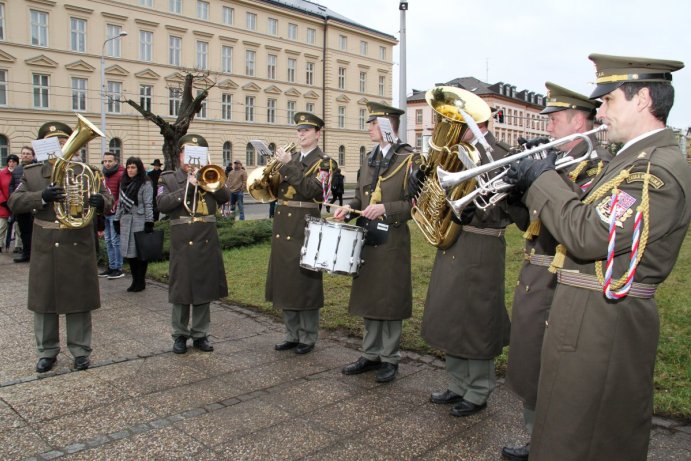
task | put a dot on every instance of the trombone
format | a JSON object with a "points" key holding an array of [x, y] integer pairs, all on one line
{"points": [[494, 187], [210, 178]]}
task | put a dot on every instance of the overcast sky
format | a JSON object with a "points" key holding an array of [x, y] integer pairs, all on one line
{"points": [[528, 42]]}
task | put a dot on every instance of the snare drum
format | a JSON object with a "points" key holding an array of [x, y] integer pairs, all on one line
{"points": [[332, 247]]}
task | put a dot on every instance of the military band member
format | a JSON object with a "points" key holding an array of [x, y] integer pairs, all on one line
{"points": [[298, 292], [63, 272], [197, 274], [568, 112], [595, 393], [382, 292], [465, 314]]}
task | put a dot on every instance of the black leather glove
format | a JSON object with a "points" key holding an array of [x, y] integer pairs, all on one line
{"points": [[415, 182], [116, 227], [53, 194], [148, 227], [467, 215], [524, 173], [97, 201]]}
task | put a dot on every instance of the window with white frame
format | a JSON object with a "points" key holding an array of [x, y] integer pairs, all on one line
{"points": [[361, 119], [114, 94], [363, 81], [341, 116], [251, 20], [309, 73], [227, 106], [249, 154], [363, 153], [343, 42], [382, 85], [249, 108], [114, 146], [174, 100], [4, 149], [292, 64], [311, 36], [227, 59], [147, 3], [363, 47], [202, 107], [418, 116], [146, 94], [203, 10], [3, 87], [79, 94], [292, 31], [146, 41], [309, 107], [174, 50], [113, 46], [39, 28], [202, 55], [250, 59], [2, 21], [382, 53], [175, 6], [271, 67], [78, 35], [272, 26], [228, 15], [291, 112], [227, 152], [40, 89], [270, 110], [418, 142], [341, 78], [341, 155]]}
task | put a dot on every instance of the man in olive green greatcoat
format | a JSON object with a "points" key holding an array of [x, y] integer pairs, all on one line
{"points": [[297, 291], [568, 113], [63, 272], [595, 393], [197, 274], [382, 291], [465, 315]]}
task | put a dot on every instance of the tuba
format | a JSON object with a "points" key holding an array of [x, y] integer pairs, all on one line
{"points": [[262, 183], [78, 179], [432, 212]]}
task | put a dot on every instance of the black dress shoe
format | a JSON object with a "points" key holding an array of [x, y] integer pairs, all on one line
{"points": [[360, 366], [45, 364], [21, 259], [82, 362], [285, 345], [387, 372], [465, 408], [203, 344], [445, 397], [516, 453], [180, 345], [304, 348]]}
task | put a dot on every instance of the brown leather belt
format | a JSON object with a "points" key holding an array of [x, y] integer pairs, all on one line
{"points": [[590, 282], [484, 231], [295, 204], [47, 224], [539, 260], [191, 220]]}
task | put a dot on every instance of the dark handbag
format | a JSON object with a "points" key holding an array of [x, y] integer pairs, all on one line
{"points": [[149, 245], [377, 231]]}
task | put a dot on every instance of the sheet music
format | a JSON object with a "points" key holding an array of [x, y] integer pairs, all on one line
{"points": [[386, 129], [46, 148], [196, 155], [261, 148]]}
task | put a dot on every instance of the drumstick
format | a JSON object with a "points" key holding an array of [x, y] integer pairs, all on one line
{"points": [[342, 206]]}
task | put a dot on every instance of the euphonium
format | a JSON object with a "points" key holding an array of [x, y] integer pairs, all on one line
{"points": [[262, 183], [77, 178], [432, 213]]}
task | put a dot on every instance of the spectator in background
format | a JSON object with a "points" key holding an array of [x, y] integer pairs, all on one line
{"points": [[154, 174], [5, 179], [25, 221], [337, 188], [112, 171], [237, 183]]}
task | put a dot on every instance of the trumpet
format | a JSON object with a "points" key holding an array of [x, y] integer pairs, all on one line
{"points": [[495, 187], [210, 178]]}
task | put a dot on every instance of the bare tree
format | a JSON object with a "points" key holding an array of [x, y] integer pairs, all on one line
{"points": [[172, 132]]}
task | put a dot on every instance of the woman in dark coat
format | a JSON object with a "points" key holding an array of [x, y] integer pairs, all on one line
{"points": [[135, 213]]}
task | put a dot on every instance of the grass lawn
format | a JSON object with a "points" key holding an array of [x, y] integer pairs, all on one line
{"points": [[246, 271]]}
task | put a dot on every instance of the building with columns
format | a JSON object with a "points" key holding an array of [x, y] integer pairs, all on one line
{"points": [[263, 60]]}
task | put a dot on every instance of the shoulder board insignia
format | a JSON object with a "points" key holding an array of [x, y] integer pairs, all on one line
{"points": [[592, 172], [640, 177], [643, 154]]}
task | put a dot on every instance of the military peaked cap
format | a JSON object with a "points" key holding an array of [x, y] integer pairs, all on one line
{"points": [[52, 129], [560, 98], [381, 110], [192, 140], [308, 120], [614, 71]]}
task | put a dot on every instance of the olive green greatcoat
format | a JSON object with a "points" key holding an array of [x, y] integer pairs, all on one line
{"points": [[63, 275], [383, 288], [465, 314], [595, 396], [289, 286], [533, 296], [197, 274]]}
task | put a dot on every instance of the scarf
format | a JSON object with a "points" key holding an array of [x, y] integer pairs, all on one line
{"points": [[129, 189], [108, 172]]}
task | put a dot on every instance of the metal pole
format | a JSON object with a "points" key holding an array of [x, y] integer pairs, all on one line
{"points": [[103, 89], [402, 93]]}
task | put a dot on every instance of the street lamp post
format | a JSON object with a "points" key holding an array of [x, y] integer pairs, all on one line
{"points": [[103, 89]]}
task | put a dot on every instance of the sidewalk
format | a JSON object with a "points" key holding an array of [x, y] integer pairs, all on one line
{"points": [[243, 401]]}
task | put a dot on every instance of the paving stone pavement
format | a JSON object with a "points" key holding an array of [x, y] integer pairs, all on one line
{"points": [[243, 401]]}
